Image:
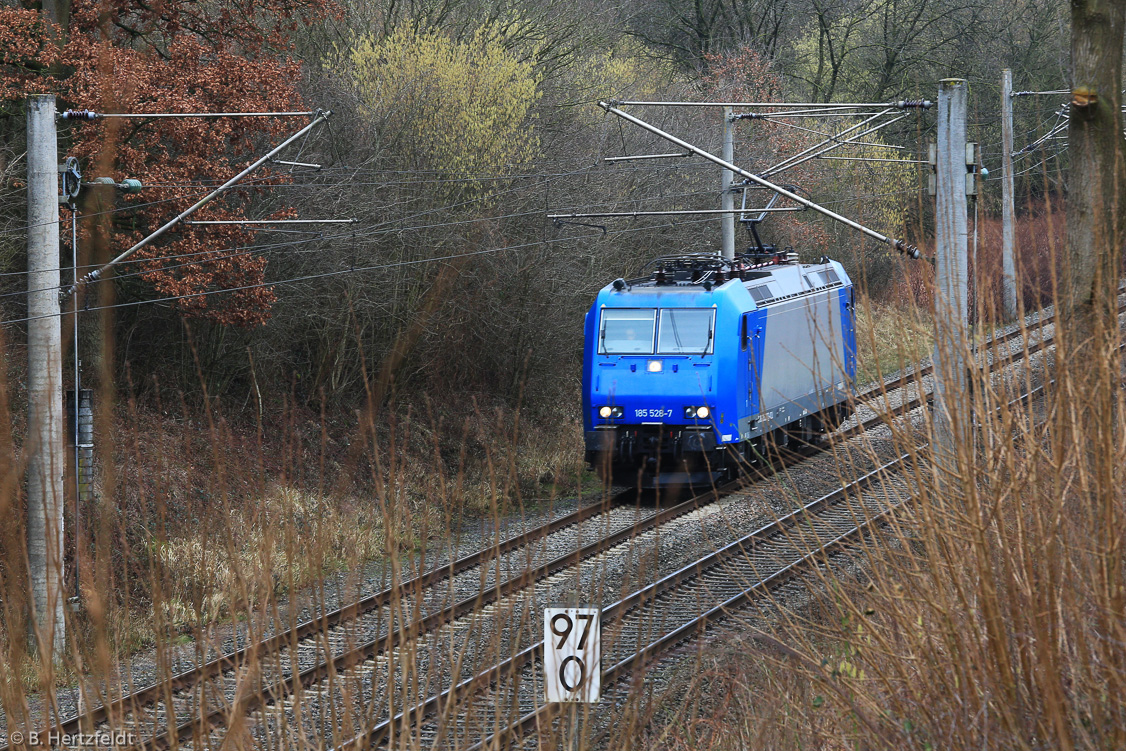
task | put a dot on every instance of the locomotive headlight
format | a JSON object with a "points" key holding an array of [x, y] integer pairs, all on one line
{"points": [[607, 412], [697, 413], [604, 413], [654, 366], [703, 412]]}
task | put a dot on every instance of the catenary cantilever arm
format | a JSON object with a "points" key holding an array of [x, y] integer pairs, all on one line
{"points": [[318, 117], [909, 250]]}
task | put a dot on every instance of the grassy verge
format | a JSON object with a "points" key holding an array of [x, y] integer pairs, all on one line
{"points": [[890, 337], [203, 522]]}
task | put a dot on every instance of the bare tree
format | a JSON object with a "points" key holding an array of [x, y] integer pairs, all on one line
{"points": [[838, 23], [1095, 219], [1096, 229], [689, 32], [907, 39]]}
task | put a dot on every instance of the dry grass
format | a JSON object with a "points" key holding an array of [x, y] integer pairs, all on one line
{"points": [[890, 337], [205, 523], [201, 575]]}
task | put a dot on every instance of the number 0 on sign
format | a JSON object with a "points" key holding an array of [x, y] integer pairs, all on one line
{"points": [[572, 654]]}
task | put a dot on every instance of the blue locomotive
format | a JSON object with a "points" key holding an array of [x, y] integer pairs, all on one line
{"points": [[704, 363]]}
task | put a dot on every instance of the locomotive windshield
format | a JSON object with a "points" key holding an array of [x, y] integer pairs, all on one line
{"points": [[686, 331], [627, 331]]}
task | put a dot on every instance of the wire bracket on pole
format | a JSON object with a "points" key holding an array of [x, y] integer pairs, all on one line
{"points": [[638, 157], [297, 164], [560, 222], [195, 222], [91, 115]]}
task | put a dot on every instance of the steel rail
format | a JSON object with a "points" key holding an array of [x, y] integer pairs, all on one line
{"points": [[285, 686], [906, 378], [237, 658], [1041, 389], [883, 389], [436, 705]]}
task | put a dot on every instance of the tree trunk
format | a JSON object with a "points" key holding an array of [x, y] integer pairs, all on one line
{"points": [[1087, 352], [1095, 216], [1098, 172]]}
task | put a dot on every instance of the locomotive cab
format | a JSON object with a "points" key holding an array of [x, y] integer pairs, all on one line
{"points": [[676, 364]]}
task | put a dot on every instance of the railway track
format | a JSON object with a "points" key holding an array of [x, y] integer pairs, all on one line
{"points": [[650, 620], [645, 625], [200, 706], [207, 699]]}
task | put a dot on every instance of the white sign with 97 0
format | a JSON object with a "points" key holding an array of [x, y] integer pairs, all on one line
{"points": [[572, 654]]}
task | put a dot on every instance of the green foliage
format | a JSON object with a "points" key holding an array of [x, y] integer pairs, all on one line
{"points": [[881, 188], [462, 108], [623, 71]]}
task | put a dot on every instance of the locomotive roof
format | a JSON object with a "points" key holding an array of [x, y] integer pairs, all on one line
{"points": [[779, 278]]}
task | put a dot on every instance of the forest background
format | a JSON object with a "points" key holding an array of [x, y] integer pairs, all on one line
{"points": [[458, 126]]}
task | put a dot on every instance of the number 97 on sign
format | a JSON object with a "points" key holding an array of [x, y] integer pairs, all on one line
{"points": [[572, 654]]}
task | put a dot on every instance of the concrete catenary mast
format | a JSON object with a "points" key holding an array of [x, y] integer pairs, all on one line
{"points": [[44, 443]]}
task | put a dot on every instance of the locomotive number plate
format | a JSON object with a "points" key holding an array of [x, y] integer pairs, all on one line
{"points": [[653, 414]]}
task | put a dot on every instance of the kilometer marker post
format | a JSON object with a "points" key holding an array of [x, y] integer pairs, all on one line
{"points": [[572, 654], [572, 660]]}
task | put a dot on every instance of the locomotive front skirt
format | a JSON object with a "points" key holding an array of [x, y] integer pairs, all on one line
{"points": [[692, 371]]}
